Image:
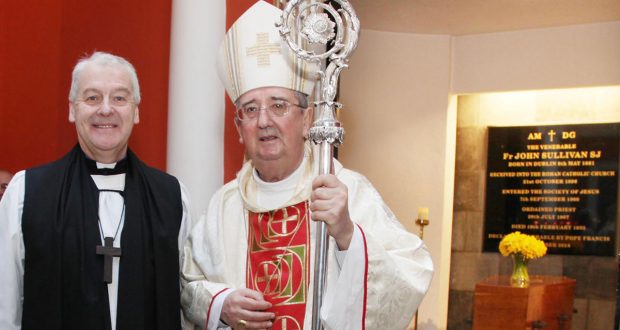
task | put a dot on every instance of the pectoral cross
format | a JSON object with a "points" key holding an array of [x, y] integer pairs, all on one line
{"points": [[108, 251]]}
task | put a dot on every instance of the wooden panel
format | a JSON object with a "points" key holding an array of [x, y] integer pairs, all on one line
{"points": [[553, 304], [499, 307], [547, 302]]}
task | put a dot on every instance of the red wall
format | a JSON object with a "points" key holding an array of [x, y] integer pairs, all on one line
{"points": [[41, 40]]}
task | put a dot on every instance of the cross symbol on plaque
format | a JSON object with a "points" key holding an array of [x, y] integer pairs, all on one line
{"points": [[108, 251], [263, 49]]}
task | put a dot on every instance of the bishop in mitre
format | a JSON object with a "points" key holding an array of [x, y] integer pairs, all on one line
{"points": [[248, 263]]}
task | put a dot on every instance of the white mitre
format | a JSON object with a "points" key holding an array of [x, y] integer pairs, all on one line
{"points": [[253, 55]]}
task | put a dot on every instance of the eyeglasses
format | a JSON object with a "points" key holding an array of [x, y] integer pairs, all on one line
{"points": [[95, 100], [278, 108]]}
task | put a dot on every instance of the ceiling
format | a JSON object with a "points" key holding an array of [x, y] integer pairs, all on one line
{"points": [[462, 17]]}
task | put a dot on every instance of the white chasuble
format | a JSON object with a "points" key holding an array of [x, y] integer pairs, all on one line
{"points": [[377, 285]]}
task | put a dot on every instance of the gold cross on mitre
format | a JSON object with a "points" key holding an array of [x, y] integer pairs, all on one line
{"points": [[263, 49]]}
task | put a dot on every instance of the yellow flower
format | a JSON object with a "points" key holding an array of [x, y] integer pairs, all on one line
{"points": [[527, 245]]}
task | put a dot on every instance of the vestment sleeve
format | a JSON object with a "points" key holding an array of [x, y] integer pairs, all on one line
{"points": [[202, 290], [198, 292], [186, 222], [12, 254], [388, 269]]}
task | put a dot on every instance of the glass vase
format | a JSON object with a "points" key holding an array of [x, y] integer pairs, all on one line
{"points": [[519, 278]]}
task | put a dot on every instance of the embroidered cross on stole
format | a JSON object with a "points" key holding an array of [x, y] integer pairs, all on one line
{"points": [[278, 262]]}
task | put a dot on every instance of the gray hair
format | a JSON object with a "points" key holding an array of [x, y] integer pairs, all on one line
{"points": [[302, 99], [103, 58]]}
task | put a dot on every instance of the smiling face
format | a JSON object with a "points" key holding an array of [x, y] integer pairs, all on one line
{"points": [[274, 144], [104, 111]]}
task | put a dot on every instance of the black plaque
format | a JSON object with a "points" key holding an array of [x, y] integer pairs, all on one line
{"points": [[558, 183]]}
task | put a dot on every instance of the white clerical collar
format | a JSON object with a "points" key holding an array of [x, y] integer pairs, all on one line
{"points": [[103, 165], [109, 182], [272, 195]]}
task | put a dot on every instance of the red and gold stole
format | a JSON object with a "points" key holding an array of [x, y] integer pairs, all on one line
{"points": [[278, 261]]}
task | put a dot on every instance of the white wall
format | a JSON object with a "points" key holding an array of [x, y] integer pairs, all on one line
{"points": [[573, 56], [395, 95], [399, 113]]}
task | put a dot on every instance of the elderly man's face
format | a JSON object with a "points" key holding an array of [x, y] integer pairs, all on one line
{"points": [[5, 178], [272, 142], [104, 111]]}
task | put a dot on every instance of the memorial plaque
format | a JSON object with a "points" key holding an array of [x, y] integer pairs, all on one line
{"points": [[558, 183]]}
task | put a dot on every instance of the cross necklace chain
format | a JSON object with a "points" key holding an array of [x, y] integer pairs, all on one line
{"points": [[108, 250]]}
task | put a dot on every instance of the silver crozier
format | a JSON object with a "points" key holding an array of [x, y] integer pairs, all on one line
{"points": [[304, 26]]}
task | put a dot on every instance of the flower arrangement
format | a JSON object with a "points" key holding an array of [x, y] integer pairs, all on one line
{"points": [[517, 243], [521, 247]]}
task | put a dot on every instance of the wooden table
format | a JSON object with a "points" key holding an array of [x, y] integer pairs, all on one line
{"points": [[546, 304]]}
